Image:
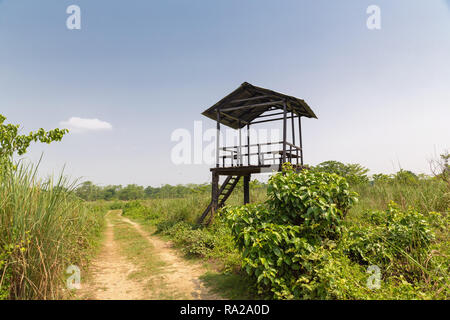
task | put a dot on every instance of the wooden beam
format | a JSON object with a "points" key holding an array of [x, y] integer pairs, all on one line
{"points": [[293, 136], [233, 118], [301, 142], [262, 121], [247, 189], [265, 104], [270, 115], [218, 139], [252, 99], [293, 128], [214, 194], [248, 144], [240, 145]]}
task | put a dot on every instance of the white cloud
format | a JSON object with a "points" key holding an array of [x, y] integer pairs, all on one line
{"points": [[76, 125]]}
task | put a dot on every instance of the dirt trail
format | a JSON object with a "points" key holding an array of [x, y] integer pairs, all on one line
{"points": [[110, 273]]}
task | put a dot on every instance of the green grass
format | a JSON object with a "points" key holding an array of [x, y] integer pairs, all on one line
{"points": [[232, 286], [44, 228], [136, 248], [139, 251], [175, 220], [425, 195]]}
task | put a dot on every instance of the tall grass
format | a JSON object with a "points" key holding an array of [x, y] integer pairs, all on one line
{"points": [[425, 195], [44, 228]]}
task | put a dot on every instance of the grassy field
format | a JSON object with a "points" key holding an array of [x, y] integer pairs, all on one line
{"points": [[44, 229], [420, 273]]}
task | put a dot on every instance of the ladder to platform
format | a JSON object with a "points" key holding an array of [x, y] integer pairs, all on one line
{"points": [[225, 191]]}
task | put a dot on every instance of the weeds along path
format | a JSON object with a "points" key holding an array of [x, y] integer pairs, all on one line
{"points": [[136, 265]]}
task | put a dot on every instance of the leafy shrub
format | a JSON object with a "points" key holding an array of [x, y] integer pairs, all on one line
{"points": [[197, 242], [116, 205], [298, 246], [137, 210], [316, 201], [283, 241]]}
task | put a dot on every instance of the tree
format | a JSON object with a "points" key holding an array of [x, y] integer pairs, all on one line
{"points": [[110, 192], [353, 172], [88, 191], [381, 178], [131, 192], [11, 142], [406, 177]]}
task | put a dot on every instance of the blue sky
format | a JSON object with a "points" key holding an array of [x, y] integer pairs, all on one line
{"points": [[150, 67]]}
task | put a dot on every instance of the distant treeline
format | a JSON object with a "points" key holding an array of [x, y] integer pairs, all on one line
{"points": [[91, 192], [355, 174]]}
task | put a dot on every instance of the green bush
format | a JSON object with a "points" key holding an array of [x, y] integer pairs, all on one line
{"points": [[198, 241], [316, 201], [137, 210], [116, 205], [283, 241], [297, 245]]}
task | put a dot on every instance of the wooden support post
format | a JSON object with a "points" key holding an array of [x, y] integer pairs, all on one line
{"points": [[301, 142], [293, 136], [283, 160], [214, 194], [218, 139], [248, 144], [247, 189], [240, 145], [260, 159]]}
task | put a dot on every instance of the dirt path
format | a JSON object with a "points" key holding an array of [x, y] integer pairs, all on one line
{"points": [[110, 276]]}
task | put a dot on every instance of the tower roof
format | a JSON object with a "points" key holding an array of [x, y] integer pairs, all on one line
{"points": [[248, 102]]}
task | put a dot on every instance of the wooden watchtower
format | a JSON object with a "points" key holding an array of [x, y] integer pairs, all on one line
{"points": [[249, 105]]}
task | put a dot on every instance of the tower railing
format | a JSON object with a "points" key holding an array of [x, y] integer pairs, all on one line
{"points": [[260, 154]]}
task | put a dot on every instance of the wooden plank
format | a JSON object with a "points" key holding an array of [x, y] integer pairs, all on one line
{"points": [[301, 138], [218, 139], [269, 120], [258, 105], [253, 98], [248, 144], [270, 115], [232, 118], [242, 171]]}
